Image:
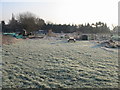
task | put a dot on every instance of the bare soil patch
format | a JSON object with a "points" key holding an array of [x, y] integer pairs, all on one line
{"points": [[9, 40]]}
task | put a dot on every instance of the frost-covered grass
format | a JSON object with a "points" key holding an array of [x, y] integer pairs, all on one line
{"points": [[56, 63]]}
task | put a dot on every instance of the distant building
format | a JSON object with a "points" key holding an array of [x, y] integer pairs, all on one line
{"points": [[91, 36], [40, 32]]}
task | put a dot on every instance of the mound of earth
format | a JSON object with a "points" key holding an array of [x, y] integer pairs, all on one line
{"points": [[9, 39]]}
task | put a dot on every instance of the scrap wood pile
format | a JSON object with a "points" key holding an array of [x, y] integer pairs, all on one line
{"points": [[111, 44], [35, 37]]}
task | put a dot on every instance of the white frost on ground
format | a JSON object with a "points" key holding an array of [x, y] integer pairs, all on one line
{"points": [[57, 63], [0, 61]]}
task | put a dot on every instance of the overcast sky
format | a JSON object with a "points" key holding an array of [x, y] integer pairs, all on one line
{"points": [[64, 11]]}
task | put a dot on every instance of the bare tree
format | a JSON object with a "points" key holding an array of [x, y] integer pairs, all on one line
{"points": [[30, 22]]}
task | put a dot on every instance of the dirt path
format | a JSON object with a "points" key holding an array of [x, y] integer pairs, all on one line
{"points": [[56, 63]]}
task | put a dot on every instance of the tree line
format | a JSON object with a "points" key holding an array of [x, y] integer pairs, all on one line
{"points": [[98, 27], [31, 23]]}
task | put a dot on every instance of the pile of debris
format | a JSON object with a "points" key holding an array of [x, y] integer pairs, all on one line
{"points": [[51, 34], [111, 44]]}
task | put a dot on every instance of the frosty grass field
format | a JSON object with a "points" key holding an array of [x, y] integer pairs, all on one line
{"points": [[56, 63]]}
